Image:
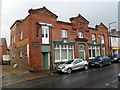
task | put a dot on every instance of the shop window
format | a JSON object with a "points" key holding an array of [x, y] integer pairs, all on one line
{"points": [[63, 52]]}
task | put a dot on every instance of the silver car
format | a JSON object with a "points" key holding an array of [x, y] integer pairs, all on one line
{"points": [[70, 65]]}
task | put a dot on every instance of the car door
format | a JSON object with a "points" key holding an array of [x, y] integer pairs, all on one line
{"points": [[81, 63], [103, 60], [76, 64]]}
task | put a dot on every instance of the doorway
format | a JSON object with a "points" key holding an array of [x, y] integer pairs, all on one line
{"points": [[45, 61]]}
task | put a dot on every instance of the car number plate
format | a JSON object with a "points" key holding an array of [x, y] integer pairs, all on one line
{"points": [[92, 64]]}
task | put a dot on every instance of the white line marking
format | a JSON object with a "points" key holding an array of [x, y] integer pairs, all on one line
{"points": [[107, 84], [115, 80], [114, 86]]}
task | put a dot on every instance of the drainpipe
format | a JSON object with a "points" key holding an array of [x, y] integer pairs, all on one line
{"points": [[53, 67]]}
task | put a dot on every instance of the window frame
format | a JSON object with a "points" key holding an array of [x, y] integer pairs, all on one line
{"points": [[102, 39], [20, 54], [21, 35], [64, 33], [81, 35], [93, 37]]}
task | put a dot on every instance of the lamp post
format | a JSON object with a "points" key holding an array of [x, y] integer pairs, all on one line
{"points": [[109, 36]]}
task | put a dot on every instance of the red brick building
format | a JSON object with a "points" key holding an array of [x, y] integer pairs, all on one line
{"points": [[40, 41], [3, 49]]}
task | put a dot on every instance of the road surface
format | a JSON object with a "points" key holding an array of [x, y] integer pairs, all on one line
{"points": [[105, 77]]}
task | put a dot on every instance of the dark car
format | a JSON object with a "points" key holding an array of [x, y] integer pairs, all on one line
{"points": [[116, 58], [100, 61]]}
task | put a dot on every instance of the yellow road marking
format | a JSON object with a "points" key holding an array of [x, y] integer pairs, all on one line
{"points": [[23, 80]]}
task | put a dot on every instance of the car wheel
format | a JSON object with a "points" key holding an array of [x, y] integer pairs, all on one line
{"points": [[69, 71], [86, 67], [118, 60], [101, 65]]}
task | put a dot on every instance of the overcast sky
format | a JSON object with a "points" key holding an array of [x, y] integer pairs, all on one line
{"points": [[95, 11]]}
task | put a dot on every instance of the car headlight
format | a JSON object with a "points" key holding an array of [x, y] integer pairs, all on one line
{"points": [[115, 58]]}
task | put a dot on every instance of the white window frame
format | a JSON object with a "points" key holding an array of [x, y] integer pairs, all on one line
{"points": [[13, 39], [21, 54], [95, 48], [59, 46], [45, 31], [102, 39], [81, 35], [103, 51], [93, 37], [21, 35], [64, 33]]}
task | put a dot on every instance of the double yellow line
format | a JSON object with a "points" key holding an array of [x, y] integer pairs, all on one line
{"points": [[23, 80]]}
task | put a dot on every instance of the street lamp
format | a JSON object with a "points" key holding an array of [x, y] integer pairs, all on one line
{"points": [[109, 36]]}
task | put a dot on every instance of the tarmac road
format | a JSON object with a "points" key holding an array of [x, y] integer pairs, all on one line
{"points": [[105, 77]]}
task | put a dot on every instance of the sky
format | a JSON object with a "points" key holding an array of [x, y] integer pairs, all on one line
{"points": [[95, 11]]}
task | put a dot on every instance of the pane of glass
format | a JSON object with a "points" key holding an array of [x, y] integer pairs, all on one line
{"points": [[98, 52], [57, 54], [70, 54], [42, 32], [80, 35], [93, 52], [89, 52], [93, 37], [64, 33], [46, 33], [64, 54]]}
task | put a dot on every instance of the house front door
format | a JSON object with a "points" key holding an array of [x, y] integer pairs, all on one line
{"points": [[45, 61]]}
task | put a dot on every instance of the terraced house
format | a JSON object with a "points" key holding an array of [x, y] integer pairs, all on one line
{"points": [[40, 41]]}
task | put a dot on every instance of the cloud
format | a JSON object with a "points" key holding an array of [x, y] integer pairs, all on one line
{"points": [[93, 11]]}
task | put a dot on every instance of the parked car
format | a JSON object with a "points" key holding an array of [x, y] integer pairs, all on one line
{"points": [[71, 65], [100, 61], [116, 58]]}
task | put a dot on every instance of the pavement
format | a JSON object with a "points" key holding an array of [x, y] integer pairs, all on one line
{"points": [[11, 74]]}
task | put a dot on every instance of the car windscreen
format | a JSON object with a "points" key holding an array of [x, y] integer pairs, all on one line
{"points": [[69, 61]]}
